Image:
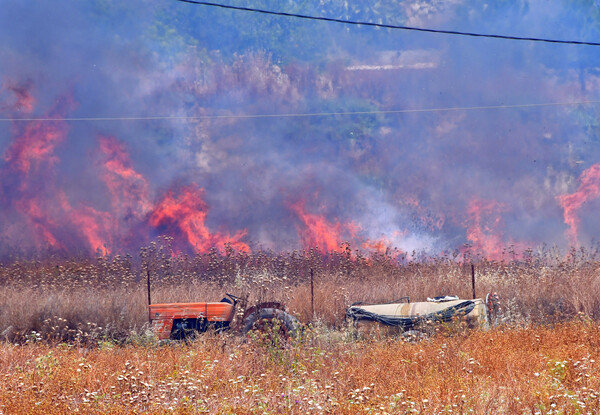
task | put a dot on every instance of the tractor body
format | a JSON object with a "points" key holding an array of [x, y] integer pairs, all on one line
{"points": [[177, 321]]}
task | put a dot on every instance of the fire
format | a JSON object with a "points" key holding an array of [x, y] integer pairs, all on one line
{"points": [[483, 228], [93, 226], [52, 218], [36, 142], [330, 236], [318, 232], [380, 246], [589, 188], [39, 220], [30, 160], [385, 245], [128, 188], [186, 212]]}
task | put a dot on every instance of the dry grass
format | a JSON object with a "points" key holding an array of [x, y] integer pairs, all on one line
{"points": [[95, 299], [503, 371], [76, 337]]}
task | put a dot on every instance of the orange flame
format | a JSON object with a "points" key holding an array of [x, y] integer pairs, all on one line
{"points": [[589, 188], [484, 221], [129, 189], [40, 221], [95, 227], [36, 143], [29, 157], [187, 212], [384, 245], [380, 246], [318, 232], [31, 150]]}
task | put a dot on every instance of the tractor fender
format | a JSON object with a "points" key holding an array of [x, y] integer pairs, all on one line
{"points": [[256, 308]]}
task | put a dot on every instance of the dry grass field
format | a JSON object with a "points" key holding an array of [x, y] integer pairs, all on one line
{"points": [[544, 370], [75, 336]]}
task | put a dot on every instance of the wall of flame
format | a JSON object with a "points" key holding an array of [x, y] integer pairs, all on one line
{"points": [[487, 180]]}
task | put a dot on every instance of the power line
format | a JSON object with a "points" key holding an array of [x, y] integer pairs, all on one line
{"points": [[389, 26], [298, 115]]}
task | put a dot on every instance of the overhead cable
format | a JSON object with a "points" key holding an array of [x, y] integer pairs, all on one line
{"points": [[296, 115], [389, 26]]}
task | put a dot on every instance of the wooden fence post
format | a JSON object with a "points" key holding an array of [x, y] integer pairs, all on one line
{"points": [[312, 295], [473, 280]]}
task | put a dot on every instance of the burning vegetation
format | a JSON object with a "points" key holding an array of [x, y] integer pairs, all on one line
{"points": [[392, 146], [132, 211]]}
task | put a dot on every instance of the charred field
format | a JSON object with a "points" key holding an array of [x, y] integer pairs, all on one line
{"points": [[76, 336]]}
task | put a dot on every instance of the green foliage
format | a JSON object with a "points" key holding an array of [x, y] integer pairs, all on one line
{"points": [[233, 32]]}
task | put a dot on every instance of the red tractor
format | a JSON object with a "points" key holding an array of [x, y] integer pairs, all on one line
{"points": [[179, 321]]}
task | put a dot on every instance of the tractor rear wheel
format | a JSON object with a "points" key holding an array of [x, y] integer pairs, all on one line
{"points": [[270, 320]]}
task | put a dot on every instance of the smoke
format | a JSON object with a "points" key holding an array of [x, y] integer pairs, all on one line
{"points": [[433, 181]]}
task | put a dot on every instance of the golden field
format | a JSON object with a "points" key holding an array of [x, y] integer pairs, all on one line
{"points": [[502, 371]]}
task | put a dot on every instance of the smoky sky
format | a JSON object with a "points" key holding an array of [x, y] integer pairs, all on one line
{"points": [[416, 180]]}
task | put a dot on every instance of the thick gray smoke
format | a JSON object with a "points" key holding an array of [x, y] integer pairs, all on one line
{"points": [[485, 167]]}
